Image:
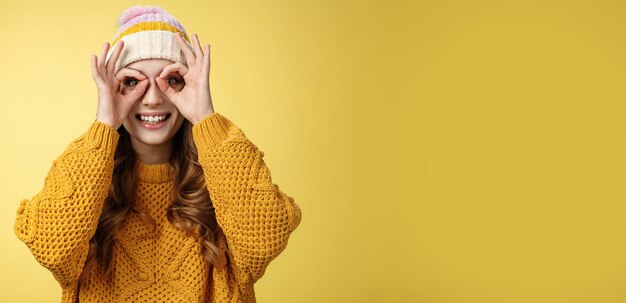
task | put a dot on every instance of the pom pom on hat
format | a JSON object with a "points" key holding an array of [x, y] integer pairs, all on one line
{"points": [[138, 10], [148, 32]]}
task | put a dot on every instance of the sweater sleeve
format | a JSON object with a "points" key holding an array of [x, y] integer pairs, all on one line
{"points": [[257, 218], [57, 223]]}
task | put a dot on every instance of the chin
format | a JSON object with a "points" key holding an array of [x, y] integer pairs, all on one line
{"points": [[152, 139]]}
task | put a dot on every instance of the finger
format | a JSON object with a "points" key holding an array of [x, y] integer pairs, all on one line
{"points": [[138, 90], [187, 51], [95, 74], [103, 54], [162, 84], [197, 47], [178, 67], [113, 59], [166, 89], [124, 73], [206, 60]]}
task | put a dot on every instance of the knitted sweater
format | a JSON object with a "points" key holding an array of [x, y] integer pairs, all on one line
{"points": [[255, 216]]}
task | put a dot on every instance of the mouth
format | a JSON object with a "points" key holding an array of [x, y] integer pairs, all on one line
{"points": [[152, 121]]}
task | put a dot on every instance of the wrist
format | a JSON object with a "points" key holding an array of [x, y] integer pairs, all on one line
{"points": [[109, 123], [202, 117]]}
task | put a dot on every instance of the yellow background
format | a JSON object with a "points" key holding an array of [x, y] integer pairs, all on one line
{"points": [[441, 151]]}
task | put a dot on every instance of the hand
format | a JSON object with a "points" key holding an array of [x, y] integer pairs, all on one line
{"points": [[113, 106], [194, 100]]}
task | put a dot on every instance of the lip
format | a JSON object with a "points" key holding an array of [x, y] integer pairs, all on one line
{"points": [[153, 126], [152, 113]]}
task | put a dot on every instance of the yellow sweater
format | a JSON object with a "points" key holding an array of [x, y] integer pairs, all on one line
{"points": [[255, 216]]}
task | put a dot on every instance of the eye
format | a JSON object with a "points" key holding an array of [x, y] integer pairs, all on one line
{"points": [[131, 81], [172, 81]]}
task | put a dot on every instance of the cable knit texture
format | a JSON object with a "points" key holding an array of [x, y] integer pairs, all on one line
{"points": [[256, 218]]}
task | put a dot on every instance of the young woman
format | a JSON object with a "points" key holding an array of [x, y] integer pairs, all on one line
{"points": [[162, 199]]}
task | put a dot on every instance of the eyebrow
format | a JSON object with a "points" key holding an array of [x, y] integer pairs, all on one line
{"points": [[176, 72]]}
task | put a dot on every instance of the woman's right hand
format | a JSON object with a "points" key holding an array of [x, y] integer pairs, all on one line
{"points": [[113, 106]]}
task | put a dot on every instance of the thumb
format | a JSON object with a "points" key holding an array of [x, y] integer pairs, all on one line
{"points": [[166, 89], [138, 90]]}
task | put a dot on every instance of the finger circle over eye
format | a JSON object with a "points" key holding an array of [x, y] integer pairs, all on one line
{"points": [[126, 72], [175, 67], [142, 84]]}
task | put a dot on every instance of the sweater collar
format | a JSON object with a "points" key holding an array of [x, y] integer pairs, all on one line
{"points": [[153, 173]]}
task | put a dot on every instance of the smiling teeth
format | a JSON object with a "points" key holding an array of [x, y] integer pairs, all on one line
{"points": [[152, 118]]}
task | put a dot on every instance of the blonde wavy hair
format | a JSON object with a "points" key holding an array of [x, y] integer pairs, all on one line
{"points": [[191, 210]]}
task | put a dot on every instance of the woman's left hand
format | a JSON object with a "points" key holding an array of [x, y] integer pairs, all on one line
{"points": [[194, 100]]}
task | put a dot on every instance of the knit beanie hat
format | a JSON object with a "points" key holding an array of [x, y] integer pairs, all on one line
{"points": [[148, 33]]}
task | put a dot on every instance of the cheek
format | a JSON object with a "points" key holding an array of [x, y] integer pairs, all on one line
{"points": [[126, 90], [179, 122]]}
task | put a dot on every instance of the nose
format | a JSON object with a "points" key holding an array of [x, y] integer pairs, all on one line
{"points": [[152, 95]]}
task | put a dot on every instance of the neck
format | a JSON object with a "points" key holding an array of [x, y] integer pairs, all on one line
{"points": [[152, 153]]}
